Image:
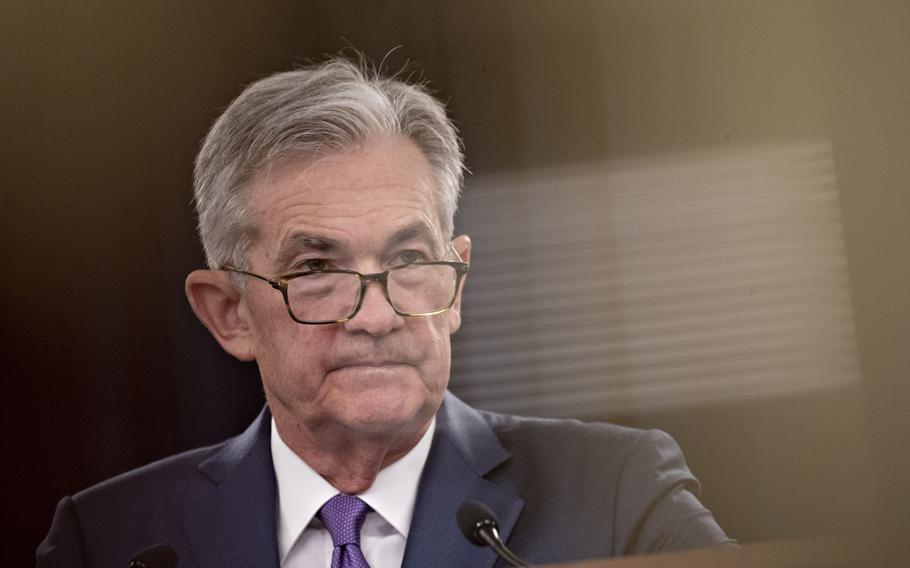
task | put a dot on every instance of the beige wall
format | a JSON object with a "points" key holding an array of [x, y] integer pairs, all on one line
{"points": [[868, 86], [591, 81]]}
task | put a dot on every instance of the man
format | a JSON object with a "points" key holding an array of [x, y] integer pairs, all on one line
{"points": [[326, 199]]}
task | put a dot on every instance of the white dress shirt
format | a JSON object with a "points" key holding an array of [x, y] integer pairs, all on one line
{"points": [[302, 540]]}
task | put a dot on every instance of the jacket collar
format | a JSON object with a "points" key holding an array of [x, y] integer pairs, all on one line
{"points": [[231, 521], [465, 450]]}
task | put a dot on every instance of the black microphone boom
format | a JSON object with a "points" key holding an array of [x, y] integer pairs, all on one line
{"points": [[479, 525], [155, 556]]}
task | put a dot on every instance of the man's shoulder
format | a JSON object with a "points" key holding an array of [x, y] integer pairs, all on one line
{"points": [[504, 422], [630, 483], [540, 441], [178, 476], [156, 502], [595, 456], [566, 434], [161, 480]]}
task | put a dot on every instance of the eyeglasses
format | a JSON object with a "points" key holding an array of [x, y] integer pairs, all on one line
{"points": [[416, 289]]}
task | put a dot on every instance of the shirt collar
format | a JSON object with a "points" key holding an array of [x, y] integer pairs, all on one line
{"points": [[302, 491], [394, 492]]}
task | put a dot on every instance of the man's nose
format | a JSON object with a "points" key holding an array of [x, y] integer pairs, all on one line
{"points": [[376, 315]]}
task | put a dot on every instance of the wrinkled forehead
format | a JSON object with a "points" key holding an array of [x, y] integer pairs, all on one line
{"points": [[385, 188]]}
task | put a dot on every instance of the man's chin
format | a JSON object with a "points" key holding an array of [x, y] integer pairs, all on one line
{"points": [[386, 413]]}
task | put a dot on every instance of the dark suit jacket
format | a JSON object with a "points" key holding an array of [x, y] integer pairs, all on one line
{"points": [[562, 490]]}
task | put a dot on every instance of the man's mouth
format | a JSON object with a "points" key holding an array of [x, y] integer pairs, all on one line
{"points": [[369, 364]]}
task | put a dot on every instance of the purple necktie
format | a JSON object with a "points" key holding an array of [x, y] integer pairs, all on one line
{"points": [[343, 516]]}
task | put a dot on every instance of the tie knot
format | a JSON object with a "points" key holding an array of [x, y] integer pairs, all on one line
{"points": [[343, 516]]}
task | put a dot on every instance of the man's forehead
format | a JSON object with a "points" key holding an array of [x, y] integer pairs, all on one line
{"points": [[350, 201], [353, 181]]}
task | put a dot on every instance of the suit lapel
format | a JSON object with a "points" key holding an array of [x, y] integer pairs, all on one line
{"points": [[464, 450], [232, 522]]}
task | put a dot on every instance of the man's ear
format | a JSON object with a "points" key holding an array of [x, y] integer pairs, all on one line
{"points": [[462, 245], [218, 305]]}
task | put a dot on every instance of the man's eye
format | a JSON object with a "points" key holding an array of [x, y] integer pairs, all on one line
{"points": [[312, 264], [409, 256]]}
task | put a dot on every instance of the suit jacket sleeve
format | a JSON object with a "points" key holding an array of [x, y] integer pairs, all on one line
{"points": [[656, 501], [63, 544]]}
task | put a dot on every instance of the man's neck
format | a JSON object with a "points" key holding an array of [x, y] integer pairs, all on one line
{"points": [[349, 460]]}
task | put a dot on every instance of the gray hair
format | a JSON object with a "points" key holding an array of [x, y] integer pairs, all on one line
{"points": [[305, 114]]}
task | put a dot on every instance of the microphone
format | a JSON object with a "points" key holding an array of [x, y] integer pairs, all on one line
{"points": [[479, 525], [155, 556]]}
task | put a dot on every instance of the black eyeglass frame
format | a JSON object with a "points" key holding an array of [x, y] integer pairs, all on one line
{"points": [[280, 283]]}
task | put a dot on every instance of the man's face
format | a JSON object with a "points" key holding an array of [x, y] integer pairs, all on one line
{"points": [[365, 210]]}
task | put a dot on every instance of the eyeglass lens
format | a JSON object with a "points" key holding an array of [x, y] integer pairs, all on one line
{"points": [[413, 289]]}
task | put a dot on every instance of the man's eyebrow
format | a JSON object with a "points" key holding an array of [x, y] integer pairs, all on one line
{"points": [[294, 243], [416, 231]]}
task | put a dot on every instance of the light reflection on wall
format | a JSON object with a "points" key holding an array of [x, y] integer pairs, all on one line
{"points": [[655, 282]]}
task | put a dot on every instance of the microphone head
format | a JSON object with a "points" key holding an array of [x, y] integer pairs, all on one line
{"points": [[474, 516], [155, 556]]}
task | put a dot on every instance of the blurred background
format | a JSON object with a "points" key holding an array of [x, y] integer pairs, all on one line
{"points": [[692, 216]]}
